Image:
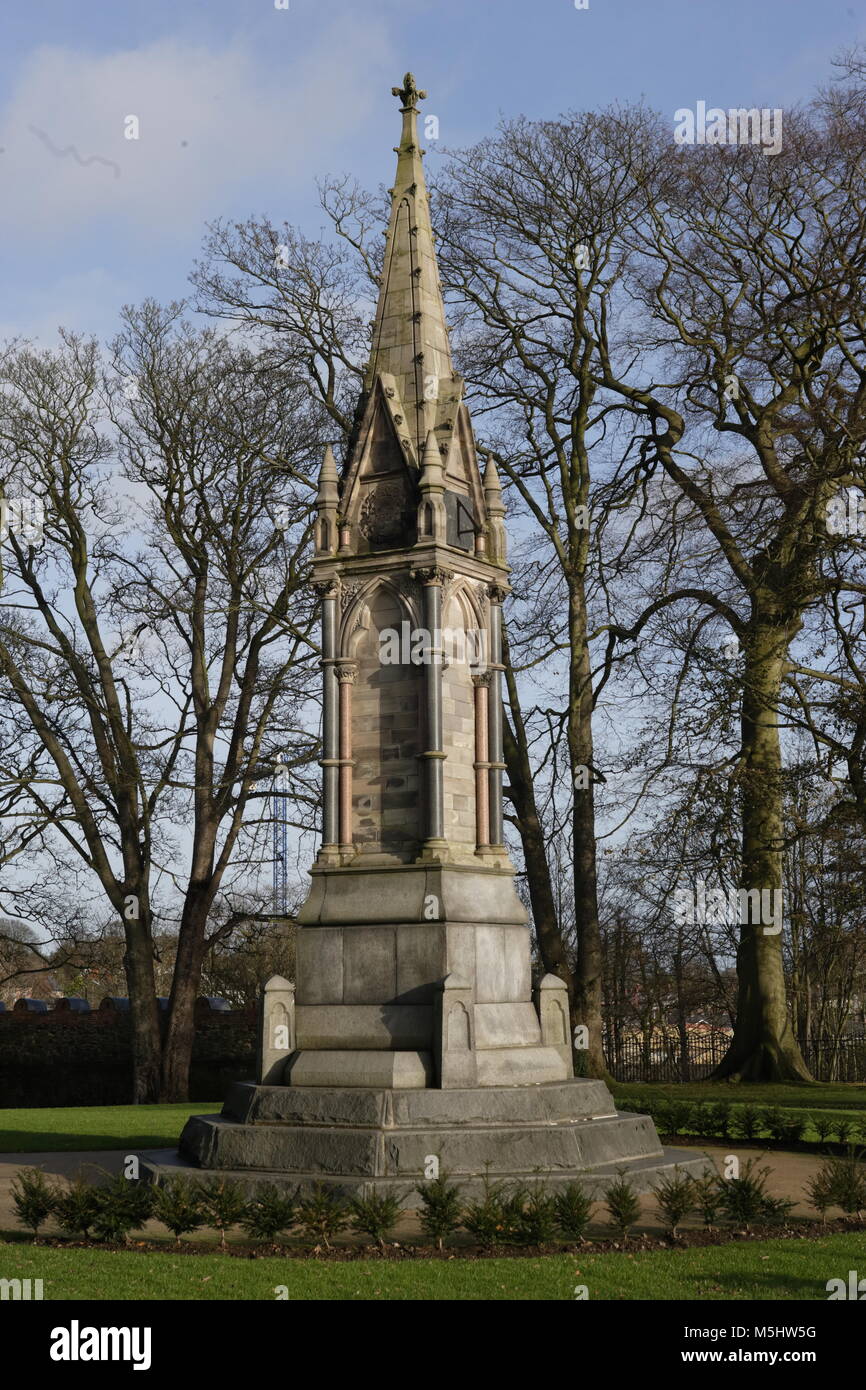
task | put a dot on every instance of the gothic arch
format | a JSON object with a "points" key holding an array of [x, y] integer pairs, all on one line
{"points": [[358, 613], [386, 720]]}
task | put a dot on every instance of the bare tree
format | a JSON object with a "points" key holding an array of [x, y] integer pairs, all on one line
{"points": [[154, 646]]}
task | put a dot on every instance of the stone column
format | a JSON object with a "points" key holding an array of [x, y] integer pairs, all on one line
{"points": [[432, 581], [482, 764], [494, 719], [330, 727], [345, 674]]}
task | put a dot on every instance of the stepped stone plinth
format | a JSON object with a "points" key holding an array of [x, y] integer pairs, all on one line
{"points": [[360, 1140], [413, 1028]]}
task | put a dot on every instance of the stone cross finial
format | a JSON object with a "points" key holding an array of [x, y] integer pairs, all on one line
{"points": [[408, 93]]}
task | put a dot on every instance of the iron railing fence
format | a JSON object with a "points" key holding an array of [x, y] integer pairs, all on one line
{"points": [[664, 1059]]}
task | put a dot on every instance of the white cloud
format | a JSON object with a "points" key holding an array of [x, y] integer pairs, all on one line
{"points": [[241, 121]]}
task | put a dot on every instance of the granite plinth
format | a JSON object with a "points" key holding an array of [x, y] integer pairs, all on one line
{"points": [[366, 1139]]}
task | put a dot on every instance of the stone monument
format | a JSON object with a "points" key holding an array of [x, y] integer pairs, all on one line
{"points": [[412, 1029]]}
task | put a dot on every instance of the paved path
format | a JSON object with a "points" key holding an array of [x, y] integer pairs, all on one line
{"points": [[789, 1173]]}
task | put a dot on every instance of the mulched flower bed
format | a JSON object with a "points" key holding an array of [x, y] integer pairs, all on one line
{"points": [[393, 1250]]}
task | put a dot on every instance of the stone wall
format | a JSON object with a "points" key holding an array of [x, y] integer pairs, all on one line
{"points": [[67, 1058]]}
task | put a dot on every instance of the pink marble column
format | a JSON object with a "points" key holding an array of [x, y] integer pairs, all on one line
{"points": [[346, 679], [482, 763]]}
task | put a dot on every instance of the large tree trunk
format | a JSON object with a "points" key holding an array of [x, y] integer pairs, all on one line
{"points": [[763, 1047], [521, 794], [590, 959], [186, 981], [143, 1012]]}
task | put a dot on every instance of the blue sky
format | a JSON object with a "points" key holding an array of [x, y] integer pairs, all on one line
{"points": [[241, 105]]}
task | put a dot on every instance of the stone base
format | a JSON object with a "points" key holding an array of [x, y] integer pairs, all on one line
{"points": [[362, 1140], [393, 1071]]}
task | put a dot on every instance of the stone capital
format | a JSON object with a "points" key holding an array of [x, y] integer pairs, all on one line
{"points": [[433, 575], [327, 588], [345, 673]]}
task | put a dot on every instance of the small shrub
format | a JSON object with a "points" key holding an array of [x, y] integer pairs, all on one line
{"points": [[773, 1121], [76, 1207], [675, 1197], [795, 1128], [776, 1210], [269, 1214], [623, 1204], [745, 1199], [441, 1207], [842, 1127], [821, 1190], [124, 1206], [704, 1120], [722, 1112], [494, 1218], [573, 1207], [537, 1222], [181, 1206], [376, 1215], [823, 1127], [849, 1184], [746, 1122], [33, 1198], [707, 1197], [224, 1205], [323, 1214], [659, 1112], [676, 1117]]}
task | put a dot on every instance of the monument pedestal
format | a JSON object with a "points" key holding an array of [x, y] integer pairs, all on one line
{"points": [[361, 1140], [411, 976]]}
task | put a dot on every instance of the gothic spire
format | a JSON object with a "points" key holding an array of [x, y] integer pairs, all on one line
{"points": [[410, 336]]}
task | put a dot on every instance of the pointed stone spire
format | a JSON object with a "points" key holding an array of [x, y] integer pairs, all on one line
{"points": [[495, 508], [431, 464], [432, 518], [327, 501], [410, 336], [493, 489], [328, 489]]}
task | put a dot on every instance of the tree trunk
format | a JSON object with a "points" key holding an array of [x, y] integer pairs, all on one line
{"points": [[521, 794], [185, 985], [590, 959], [763, 1047], [143, 1013]]}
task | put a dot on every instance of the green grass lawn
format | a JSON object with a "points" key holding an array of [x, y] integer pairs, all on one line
{"points": [[76, 1128], [771, 1269]]}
